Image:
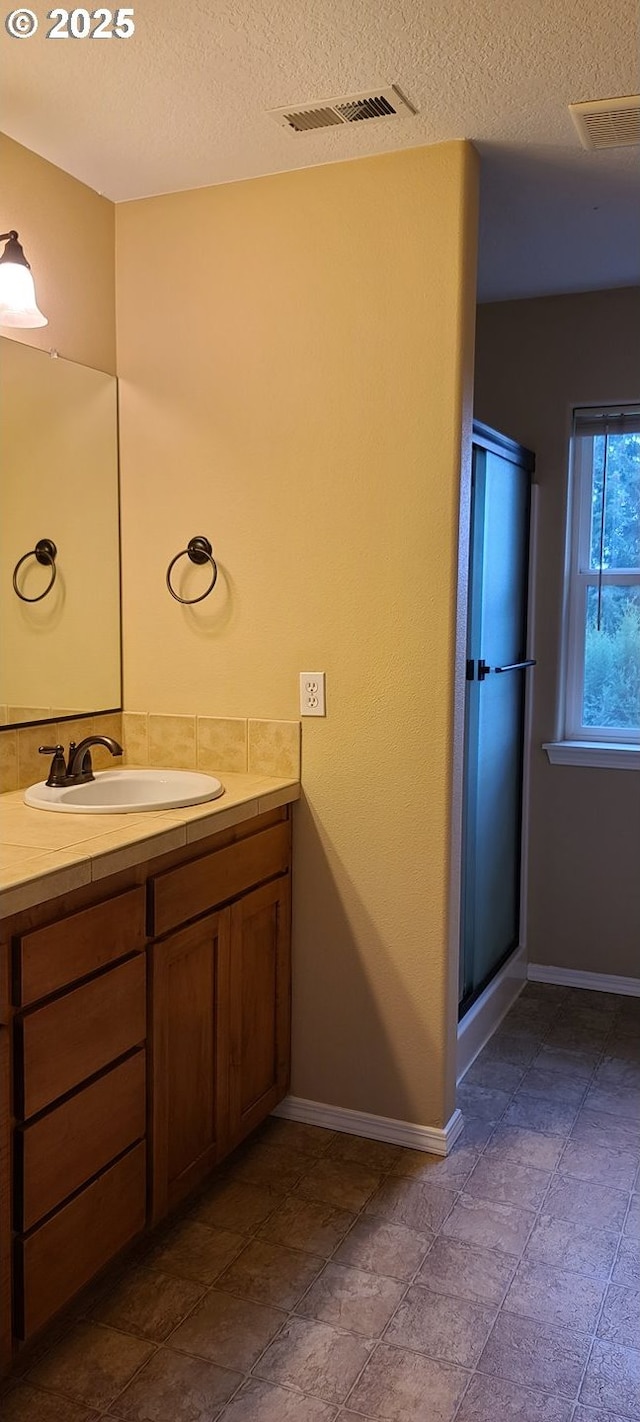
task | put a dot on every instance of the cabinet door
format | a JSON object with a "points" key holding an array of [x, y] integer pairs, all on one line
{"points": [[5, 1202], [260, 1005], [189, 1046]]}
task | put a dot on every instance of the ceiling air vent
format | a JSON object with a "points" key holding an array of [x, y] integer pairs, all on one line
{"points": [[608, 123], [351, 108]]}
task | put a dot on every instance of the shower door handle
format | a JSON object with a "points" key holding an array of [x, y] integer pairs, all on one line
{"points": [[517, 666], [484, 668]]}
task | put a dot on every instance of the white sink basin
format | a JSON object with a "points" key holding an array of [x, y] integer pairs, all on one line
{"points": [[116, 792]]}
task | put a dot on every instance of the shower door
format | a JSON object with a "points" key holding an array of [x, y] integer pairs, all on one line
{"points": [[497, 667]]}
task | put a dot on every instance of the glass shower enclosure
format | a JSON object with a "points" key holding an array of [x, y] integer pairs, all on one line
{"points": [[497, 668]]}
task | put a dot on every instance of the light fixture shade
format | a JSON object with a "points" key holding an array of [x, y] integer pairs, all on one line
{"points": [[18, 305]]}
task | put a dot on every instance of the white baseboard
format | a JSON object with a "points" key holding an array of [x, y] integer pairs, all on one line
{"points": [[481, 1021], [593, 982], [438, 1141]]}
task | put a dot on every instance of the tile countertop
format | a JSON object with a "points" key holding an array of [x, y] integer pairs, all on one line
{"points": [[44, 854]]}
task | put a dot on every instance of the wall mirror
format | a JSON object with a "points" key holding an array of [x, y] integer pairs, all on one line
{"points": [[59, 611]]}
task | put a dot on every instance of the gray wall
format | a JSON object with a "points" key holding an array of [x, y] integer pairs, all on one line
{"points": [[535, 360]]}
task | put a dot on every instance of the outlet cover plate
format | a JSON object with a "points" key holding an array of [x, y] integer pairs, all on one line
{"points": [[312, 694]]}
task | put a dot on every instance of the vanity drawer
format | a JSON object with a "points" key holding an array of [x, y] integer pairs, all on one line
{"points": [[62, 1150], [52, 958], [66, 1041], [192, 889], [62, 1255]]}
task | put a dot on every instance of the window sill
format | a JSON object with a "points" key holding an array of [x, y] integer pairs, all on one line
{"points": [[605, 754]]}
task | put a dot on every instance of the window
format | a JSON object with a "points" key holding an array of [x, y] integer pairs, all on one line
{"points": [[602, 643]]}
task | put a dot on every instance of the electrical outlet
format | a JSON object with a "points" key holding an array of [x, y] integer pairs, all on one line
{"points": [[312, 694]]}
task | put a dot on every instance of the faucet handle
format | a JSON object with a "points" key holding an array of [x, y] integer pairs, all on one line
{"points": [[57, 770]]}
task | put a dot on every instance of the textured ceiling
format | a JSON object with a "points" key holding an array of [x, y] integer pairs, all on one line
{"points": [[182, 104]]}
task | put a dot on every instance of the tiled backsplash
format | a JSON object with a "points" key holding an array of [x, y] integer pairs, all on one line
{"points": [[212, 743], [20, 763], [208, 743]]}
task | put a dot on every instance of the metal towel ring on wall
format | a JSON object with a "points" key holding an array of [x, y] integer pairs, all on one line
{"points": [[45, 552], [199, 551]]}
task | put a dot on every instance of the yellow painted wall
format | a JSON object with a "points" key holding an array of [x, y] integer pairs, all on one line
{"points": [[67, 232], [295, 359]]}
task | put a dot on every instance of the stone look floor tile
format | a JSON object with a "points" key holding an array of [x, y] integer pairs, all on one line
{"points": [[344, 1183], [295, 1135], [492, 1226], [555, 1296], [419, 1207], [614, 1072], [537, 1355], [508, 1184], [537, 1113], [579, 1248], [603, 1129], [228, 1331], [374, 1155], [92, 1364], [352, 1299], [525, 1147], [612, 1379], [232, 1205], [308, 1225], [465, 1272], [476, 1133], [494, 1400], [570, 1065], [191, 1250], [482, 1101], [27, 1404], [587, 1201], [450, 1170], [263, 1164], [148, 1303], [620, 1317], [172, 1388], [383, 1248], [517, 1050], [554, 1085], [452, 1330], [271, 1274], [632, 1222], [619, 1100], [397, 1385], [315, 1358], [602, 1164], [594, 1414], [577, 1035], [626, 1269], [262, 1402], [496, 1075]]}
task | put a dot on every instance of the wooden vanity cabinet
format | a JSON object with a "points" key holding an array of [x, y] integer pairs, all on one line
{"points": [[144, 1031], [5, 1162], [219, 1007], [189, 1050]]}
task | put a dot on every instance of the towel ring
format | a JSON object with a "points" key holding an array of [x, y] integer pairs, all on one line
{"points": [[199, 551], [45, 552]]}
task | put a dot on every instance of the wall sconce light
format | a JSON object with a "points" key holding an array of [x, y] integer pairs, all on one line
{"points": [[18, 305]]}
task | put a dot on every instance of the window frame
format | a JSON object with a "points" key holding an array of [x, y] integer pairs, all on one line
{"points": [[593, 745], [580, 577]]}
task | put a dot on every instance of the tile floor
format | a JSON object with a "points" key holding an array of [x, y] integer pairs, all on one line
{"points": [[325, 1277]]}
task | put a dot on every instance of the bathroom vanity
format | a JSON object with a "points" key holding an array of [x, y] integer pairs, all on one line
{"points": [[144, 1031]]}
